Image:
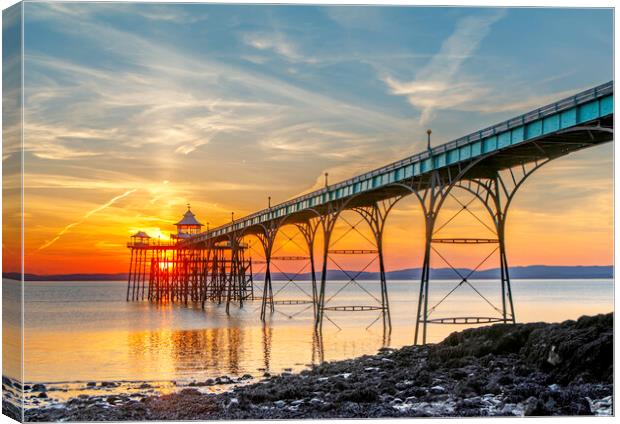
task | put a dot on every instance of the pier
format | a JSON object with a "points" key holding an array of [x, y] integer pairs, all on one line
{"points": [[489, 165]]}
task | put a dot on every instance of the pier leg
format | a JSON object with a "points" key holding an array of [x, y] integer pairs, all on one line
{"points": [[204, 279], [328, 222], [267, 288], [422, 315], [308, 230], [233, 277], [145, 267], [129, 275], [385, 303], [376, 217], [136, 275]]}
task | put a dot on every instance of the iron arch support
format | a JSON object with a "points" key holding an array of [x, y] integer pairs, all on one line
{"points": [[267, 236], [327, 223], [376, 216], [309, 229], [431, 198]]}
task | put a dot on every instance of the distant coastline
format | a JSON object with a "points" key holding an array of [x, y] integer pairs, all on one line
{"points": [[519, 272]]}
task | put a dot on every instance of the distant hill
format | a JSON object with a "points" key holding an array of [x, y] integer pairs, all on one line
{"points": [[67, 277], [545, 272]]}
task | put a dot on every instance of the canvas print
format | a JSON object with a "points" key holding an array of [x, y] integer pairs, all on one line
{"points": [[285, 211]]}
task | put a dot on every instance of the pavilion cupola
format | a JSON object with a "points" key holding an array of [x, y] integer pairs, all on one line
{"points": [[189, 225], [140, 238]]}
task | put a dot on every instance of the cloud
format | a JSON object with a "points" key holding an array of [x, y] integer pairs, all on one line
{"points": [[277, 43], [439, 85], [365, 18], [154, 96], [88, 214], [165, 13]]}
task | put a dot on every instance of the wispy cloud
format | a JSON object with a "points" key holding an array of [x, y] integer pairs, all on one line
{"points": [[438, 85], [88, 214], [277, 43], [167, 13], [165, 98]]}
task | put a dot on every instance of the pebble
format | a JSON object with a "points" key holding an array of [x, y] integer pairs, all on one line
{"points": [[39, 388], [437, 390]]}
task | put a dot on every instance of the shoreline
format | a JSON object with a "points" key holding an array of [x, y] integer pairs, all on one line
{"points": [[511, 370]]}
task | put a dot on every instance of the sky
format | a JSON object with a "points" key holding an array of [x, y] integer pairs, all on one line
{"points": [[134, 110]]}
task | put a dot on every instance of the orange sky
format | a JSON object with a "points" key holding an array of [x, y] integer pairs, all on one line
{"points": [[545, 226]]}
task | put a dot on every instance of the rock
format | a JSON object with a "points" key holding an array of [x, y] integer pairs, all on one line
{"points": [[553, 358], [535, 407], [573, 349], [246, 377], [316, 401], [601, 407], [279, 403], [437, 390], [39, 388], [112, 399], [109, 384], [42, 395], [91, 384]]}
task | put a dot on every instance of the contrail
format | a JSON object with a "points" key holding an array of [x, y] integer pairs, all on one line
{"points": [[85, 217]]}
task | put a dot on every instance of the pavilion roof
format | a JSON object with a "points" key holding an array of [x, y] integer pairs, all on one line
{"points": [[189, 219]]}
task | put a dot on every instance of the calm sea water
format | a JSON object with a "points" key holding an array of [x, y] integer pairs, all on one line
{"points": [[83, 331]]}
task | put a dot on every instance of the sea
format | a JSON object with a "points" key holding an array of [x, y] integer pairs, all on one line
{"points": [[80, 332]]}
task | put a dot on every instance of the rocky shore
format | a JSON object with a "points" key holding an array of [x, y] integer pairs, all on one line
{"points": [[526, 369]]}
